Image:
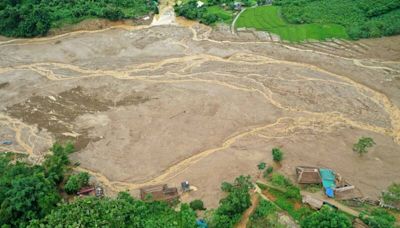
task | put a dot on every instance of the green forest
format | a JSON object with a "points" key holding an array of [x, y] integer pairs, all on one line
{"points": [[361, 18], [34, 196], [29, 18]]}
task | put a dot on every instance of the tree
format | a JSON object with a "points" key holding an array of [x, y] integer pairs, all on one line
{"points": [[277, 154], [197, 204], [261, 165], [234, 204], [226, 187], [76, 182], [113, 13], [56, 164], [363, 144], [326, 218]]}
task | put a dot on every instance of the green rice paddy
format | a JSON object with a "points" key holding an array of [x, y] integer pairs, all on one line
{"points": [[267, 18]]}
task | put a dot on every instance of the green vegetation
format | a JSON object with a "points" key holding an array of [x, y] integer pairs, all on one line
{"points": [[361, 19], [287, 196], [291, 191], [267, 18], [124, 211], [231, 207], [30, 197], [392, 195], [363, 144], [210, 13], [326, 217], [197, 205], [268, 171], [312, 187], [30, 192], [76, 182], [30, 18], [378, 218], [261, 165], [265, 215], [277, 154]]}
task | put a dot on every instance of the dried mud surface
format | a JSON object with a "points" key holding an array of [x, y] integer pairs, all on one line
{"points": [[169, 103]]}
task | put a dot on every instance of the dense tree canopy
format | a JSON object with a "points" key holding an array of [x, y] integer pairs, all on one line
{"points": [[30, 192], [124, 211], [30, 18], [76, 182]]}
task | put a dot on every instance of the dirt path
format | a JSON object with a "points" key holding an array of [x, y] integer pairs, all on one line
{"points": [[234, 20], [246, 215], [319, 196]]}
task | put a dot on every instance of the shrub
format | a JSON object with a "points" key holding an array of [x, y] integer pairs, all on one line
{"points": [[234, 204], [379, 218], [326, 218], [280, 180], [197, 205], [268, 171], [263, 209], [75, 182], [226, 187], [392, 196], [261, 165], [277, 154], [363, 144]]}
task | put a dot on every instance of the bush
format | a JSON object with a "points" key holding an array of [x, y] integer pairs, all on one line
{"points": [[268, 171], [261, 165], [392, 196], [291, 191], [363, 144], [280, 180], [263, 209], [379, 218], [76, 182], [226, 187], [197, 205], [277, 154], [326, 218]]}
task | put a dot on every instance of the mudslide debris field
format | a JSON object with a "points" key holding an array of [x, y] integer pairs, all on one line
{"points": [[166, 104]]}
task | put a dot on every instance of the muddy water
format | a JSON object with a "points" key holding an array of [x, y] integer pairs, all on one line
{"points": [[225, 92]]}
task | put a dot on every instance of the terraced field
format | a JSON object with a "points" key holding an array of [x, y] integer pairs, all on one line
{"points": [[267, 18]]}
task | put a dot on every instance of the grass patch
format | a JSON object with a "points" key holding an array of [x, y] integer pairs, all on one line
{"points": [[265, 215], [267, 18], [224, 15], [292, 206]]}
